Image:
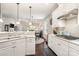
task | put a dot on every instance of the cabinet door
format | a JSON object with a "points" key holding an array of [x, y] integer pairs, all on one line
{"points": [[56, 45], [62, 47], [12, 51], [7, 48], [62, 50], [20, 47], [30, 46], [73, 52], [52, 43], [59, 46], [5, 51], [49, 41]]}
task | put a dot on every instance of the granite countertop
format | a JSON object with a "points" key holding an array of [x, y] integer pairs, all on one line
{"points": [[71, 39], [68, 37], [6, 36]]}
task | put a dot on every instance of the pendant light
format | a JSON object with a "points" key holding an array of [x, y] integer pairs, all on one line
{"points": [[1, 14], [30, 23], [18, 22]]}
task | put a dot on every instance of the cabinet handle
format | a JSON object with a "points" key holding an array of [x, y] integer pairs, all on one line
{"points": [[8, 38]]}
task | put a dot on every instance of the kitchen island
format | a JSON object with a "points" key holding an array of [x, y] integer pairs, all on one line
{"points": [[17, 43]]}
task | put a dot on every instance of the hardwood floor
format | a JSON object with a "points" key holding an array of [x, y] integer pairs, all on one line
{"points": [[43, 50], [40, 49]]}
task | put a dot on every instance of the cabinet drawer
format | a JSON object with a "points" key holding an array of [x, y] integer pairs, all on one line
{"points": [[62, 47], [5, 44], [30, 50], [76, 47], [61, 41], [3, 34], [5, 51]]}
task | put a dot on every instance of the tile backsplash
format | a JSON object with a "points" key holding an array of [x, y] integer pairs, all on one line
{"points": [[72, 26]]}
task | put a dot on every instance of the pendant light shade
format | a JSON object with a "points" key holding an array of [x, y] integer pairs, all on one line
{"points": [[17, 22], [30, 23], [1, 20], [1, 14]]}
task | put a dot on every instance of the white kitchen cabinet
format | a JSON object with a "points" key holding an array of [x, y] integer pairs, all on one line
{"points": [[12, 51], [73, 52], [30, 46], [52, 43], [59, 46], [55, 46], [15, 47], [7, 51], [6, 48], [73, 49], [16, 44], [20, 47], [62, 47]]}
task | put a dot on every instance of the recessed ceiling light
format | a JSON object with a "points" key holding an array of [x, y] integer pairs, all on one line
{"points": [[1, 20], [18, 22]]}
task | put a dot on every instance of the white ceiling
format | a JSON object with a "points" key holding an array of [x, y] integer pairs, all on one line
{"points": [[39, 11]]}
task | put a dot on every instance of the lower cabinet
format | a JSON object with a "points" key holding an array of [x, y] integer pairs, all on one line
{"points": [[52, 43], [20, 47], [7, 51], [59, 46], [30, 46], [17, 46], [73, 52], [7, 48], [62, 47]]}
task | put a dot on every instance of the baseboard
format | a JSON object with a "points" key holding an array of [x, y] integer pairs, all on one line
{"points": [[30, 55]]}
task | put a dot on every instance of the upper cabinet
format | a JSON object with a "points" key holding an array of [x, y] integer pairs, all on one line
{"points": [[63, 10]]}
